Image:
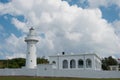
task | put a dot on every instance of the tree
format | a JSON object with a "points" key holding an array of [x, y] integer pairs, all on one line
{"points": [[13, 63], [1, 65], [106, 62], [19, 62], [42, 61]]}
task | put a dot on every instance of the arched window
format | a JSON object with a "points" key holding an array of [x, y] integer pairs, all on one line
{"points": [[80, 63], [53, 62], [88, 63], [72, 63], [65, 64]]}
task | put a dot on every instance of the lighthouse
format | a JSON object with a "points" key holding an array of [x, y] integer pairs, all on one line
{"points": [[31, 41]]}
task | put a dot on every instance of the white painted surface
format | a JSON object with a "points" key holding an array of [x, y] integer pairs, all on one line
{"points": [[46, 70], [96, 62], [31, 40]]}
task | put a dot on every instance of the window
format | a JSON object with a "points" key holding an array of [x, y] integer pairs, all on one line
{"points": [[80, 63], [53, 62], [72, 63], [65, 64], [88, 63]]}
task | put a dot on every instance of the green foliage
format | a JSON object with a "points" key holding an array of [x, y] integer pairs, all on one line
{"points": [[42, 61], [19, 62], [1, 65], [13, 63], [106, 62]]}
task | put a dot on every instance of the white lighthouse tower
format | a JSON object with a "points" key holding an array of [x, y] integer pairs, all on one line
{"points": [[31, 40]]}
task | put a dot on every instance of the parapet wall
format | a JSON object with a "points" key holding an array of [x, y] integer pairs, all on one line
{"points": [[17, 72], [60, 73]]}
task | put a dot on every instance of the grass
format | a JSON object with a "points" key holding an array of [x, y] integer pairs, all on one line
{"points": [[47, 78]]}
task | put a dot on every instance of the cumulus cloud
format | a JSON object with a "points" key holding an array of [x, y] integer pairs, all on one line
{"points": [[116, 25], [14, 46], [20, 25], [65, 28], [9, 9], [95, 3], [106, 3]]}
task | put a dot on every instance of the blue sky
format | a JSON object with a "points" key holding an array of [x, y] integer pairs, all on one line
{"points": [[9, 28]]}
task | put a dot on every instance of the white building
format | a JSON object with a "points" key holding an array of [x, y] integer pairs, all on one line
{"points": [[114, 67], [78, 61]]}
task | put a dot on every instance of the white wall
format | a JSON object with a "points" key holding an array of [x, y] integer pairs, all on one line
{"points": [[46, 70], [17, 72]]}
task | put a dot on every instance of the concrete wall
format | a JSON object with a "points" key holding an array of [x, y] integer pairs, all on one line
{"points": [[87, 74], [17, 72], [47, 71]]}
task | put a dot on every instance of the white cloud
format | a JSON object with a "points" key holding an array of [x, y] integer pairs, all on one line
{"points": [[15, 55], [20, 25], [14, 46], [116, 25], [8, 9], [74, 36], [98, 3], [106, 3], [66, 28]]}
